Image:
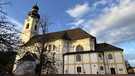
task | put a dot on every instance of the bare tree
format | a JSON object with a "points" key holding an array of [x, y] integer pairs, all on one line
{"points": [[44, 61], [8, 38], [8, 34]]}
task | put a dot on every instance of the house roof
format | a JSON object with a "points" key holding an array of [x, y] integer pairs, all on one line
{"points": [[82, 52], [107, 47], [72, 34], [29, 57]]}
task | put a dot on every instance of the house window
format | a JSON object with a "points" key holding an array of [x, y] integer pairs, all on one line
{"points": [[78, 69], [79, 48], [27, 26], [35, 27], [110, 56], [101, 68], [100, 56], [78, 58], [120, 69]]}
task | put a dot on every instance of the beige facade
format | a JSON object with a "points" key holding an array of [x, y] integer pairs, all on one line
{"points": [[93, 63]]}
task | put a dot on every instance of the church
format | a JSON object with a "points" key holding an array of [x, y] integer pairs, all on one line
{"points": [[72, 51]]}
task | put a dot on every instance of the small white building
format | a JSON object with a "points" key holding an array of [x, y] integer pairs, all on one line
{"points": [[106, 59]]}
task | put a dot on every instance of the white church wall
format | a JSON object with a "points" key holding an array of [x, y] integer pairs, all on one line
{"points": [[93, 57], [87, 69], [66, 59], [87, 46], [86, 58], [71, 69], [65, 69], [107, 70], [81, 42], [71, 59], [120, 69], [118, 57], [94, 68]]}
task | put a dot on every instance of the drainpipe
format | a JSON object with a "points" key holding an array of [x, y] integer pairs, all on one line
{"points": [[104, 62]]}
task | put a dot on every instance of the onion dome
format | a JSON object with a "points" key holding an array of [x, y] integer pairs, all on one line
{"points": [[35, 7], [34, 12]]}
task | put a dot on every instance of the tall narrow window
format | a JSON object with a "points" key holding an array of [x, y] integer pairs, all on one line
{"points": [[79, 48], [54, 47], [110, 56], [27, 26], [35, 27], [100, 56], [49, 48], [101, 68], [78, 58], [78, 70]]}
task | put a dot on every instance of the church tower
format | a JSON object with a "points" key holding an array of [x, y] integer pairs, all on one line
{"points": [[31, 25]]}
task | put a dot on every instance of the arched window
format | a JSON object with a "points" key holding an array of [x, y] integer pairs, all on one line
{"points": [[51, 47], [35, 27], [79, 48], [54, 47], [27, 26], [78, 58]]}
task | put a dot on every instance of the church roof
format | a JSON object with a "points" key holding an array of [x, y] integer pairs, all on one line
{"points": [[72, 34], [107, 47]]}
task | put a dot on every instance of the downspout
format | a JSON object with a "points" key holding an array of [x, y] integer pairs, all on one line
{"points": [[63, 63], [104, 61]]}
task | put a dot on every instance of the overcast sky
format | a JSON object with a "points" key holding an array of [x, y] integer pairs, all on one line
{"points": [[110, 21]]}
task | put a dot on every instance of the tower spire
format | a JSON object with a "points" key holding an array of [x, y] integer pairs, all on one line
{"points": [[31, 25]]}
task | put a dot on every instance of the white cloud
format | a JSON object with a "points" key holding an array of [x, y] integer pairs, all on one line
{"points": [[79, 10], [103, 2], [77, 23], [115, 24], [112, 21], [18, 26]]}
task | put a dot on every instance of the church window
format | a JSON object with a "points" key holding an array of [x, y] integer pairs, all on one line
{"points": [[54, 47], [27, 26], [120, 69], [78, 70], [35, 27], [100, 56], [110, 56], [79, 48], [101, 68], [49, 47], [78, 58]]}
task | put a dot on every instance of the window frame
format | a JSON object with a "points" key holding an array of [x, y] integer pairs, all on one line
{"points": [[102, 68], [79, 69], [110, 56], [79, 48], [27, 26], [78, 58]]}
